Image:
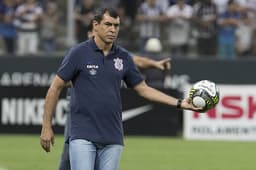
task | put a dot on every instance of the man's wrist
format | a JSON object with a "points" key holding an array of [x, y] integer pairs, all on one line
{"points": [[179, 101]]}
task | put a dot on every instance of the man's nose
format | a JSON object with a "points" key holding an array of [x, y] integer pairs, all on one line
{"points": [[113, 28]]}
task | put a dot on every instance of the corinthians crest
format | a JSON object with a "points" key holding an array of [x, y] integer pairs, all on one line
{"points": [[118, 64]]}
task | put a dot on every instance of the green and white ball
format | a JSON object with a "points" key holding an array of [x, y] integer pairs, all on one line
{"points": [[204, 94]]}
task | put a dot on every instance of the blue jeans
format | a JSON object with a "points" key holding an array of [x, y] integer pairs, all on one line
{"points": [[227, 50], [85, 155]]}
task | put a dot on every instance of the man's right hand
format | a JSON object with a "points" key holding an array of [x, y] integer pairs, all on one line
{"points": [[47, 138], [164, 64]]}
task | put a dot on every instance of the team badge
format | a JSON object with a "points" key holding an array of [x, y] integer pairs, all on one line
{"points": [[118, 64]]}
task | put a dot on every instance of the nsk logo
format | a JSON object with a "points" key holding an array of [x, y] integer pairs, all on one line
{"points": [[232, 107], [92, 66]]}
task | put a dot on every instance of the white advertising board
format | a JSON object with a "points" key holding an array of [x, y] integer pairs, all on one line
{"points": [[234, 118]]}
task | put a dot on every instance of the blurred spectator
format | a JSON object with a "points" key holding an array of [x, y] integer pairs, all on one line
{"points": [[124, 38], [27, 21], [164, 4], [228, 23], [43, 3], [7, 28], [244, 34], [49, 27], [130, 8], [179, 16], [242, 4], [18, 2], [248, 6], [173, 2], [221, 5], [254, 43], [83, 16], [251, 5], [149, 16], [109, 3], [205, 18]]}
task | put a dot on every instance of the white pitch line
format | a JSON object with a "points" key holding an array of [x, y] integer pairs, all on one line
{"points": [[3, 168]]}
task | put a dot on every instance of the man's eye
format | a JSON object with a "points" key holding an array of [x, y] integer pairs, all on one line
{"points": [[108, 24]]}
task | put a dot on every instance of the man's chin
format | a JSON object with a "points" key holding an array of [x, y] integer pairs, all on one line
{"points": [[110, 41]]}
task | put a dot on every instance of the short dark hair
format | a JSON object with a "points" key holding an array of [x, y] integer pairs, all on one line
{"points": [[100, 12]]}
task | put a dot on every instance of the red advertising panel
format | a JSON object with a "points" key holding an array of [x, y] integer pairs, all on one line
{"points": [[234, 118]]}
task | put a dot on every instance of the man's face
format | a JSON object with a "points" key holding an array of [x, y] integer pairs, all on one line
{"points": [[107, 30]]}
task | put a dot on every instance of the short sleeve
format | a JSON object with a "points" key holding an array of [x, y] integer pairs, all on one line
{"points": [[132, 76], [68, 67]]}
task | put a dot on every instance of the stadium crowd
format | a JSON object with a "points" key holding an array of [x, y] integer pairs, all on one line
{"points": [[223, 29]]}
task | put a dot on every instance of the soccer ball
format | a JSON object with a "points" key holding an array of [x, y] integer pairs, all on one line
{"points": [[204, 94]]}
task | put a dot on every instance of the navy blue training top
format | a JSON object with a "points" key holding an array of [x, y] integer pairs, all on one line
{"points": [[96, 110]]}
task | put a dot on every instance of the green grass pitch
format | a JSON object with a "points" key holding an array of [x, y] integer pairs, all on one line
{"points": [[23, 152]]}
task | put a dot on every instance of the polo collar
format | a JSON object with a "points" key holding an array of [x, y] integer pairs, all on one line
{"points": [[96, 48]]}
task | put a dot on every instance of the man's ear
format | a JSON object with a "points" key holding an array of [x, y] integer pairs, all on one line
{"points": [[95, 25]]}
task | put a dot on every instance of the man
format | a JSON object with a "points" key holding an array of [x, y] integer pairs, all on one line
{"points": [[141, 62], [7, 28], [228, 22], [205, 18], [83, 15], [96, 69], [27, 22], [179, 18]]}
